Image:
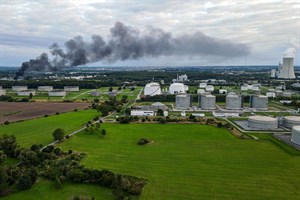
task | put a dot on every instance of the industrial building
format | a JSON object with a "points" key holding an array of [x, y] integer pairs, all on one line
{"points": [[233, 101], [208, 102], [152, 89], [262, 122], [178, 88], [296, 135], [286, 69], [45, 88], [158, 105], [291, 121], [19, 88], [183, 101], [57, 93], [259, 102], [142, 113], [71, 88], [2, 92], [26, 92]]}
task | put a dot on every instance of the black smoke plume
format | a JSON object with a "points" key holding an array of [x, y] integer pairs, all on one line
{"points": [[127, 43]]}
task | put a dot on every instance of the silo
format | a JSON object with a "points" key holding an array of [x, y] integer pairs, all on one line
{"points": [[233, 101], [183, 101], [208, 102], [262, 122], [291, 121], [152, 89], [296, 135], [259, 102]]}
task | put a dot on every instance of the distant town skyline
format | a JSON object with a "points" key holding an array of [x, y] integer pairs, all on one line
{"points": [[267, 28]]}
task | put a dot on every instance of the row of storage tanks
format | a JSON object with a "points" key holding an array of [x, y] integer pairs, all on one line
{"points": [[270, 123], [24, 91], [233, 101]]}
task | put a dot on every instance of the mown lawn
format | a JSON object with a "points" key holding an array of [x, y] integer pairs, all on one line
{"points": [[39, 131], [193, 162]]}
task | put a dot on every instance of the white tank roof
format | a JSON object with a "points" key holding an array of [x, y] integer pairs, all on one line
{"points": [[262, 118], [292, 118], [296, 128]]}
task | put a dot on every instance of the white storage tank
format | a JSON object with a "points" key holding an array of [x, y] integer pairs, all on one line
{"points": [[183, 101], [259, 102], [233, 101], [262, 122], [19, 88], [244, 87], [296, 135], [200, 91], [57, 93], [271, 94], [45, 88], [152, 89], [291, 121], [202, 85], [71, 88], [26, 92], [209, 88], [177, 88], [2, 92], [208, 102]]}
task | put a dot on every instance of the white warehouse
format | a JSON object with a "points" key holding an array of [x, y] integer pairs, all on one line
{"points": [[71, 88], [19, 88], [26, 92], [152, 89], [45, 88], [142, 113], [57, 93]]}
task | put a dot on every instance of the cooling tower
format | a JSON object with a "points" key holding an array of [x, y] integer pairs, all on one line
{"points": [[286, 69]]}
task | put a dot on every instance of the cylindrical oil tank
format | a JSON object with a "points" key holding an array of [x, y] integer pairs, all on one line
{"points": [[262, 122], [296, 135], [152, 89], [291, 121], [209, 88], [208, 102], [259, 102], [183, 101], [233, 101]]}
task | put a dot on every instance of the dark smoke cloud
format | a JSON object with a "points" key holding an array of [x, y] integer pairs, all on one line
{"points": [[127, 43]]}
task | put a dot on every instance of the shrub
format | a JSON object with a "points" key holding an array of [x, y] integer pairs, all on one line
{"points": [[46, 115], [6, 122], [58, 134], [57, 113], [143, 141]]}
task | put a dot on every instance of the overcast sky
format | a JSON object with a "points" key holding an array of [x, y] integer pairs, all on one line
{"points": [[267, 27]]}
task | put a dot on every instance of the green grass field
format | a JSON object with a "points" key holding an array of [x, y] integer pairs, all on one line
{"points": [[39, 131], [193, 162], [45, 190], [185, 161]]}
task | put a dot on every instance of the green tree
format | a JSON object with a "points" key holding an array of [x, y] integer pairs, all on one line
{"points": [[24, 182], [160, 112], [8, 144], [103, 132], [58, 134], [2, 157], [110, 89]]}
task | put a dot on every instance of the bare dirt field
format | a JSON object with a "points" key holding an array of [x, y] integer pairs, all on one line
{"points": [[15, 111]]}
